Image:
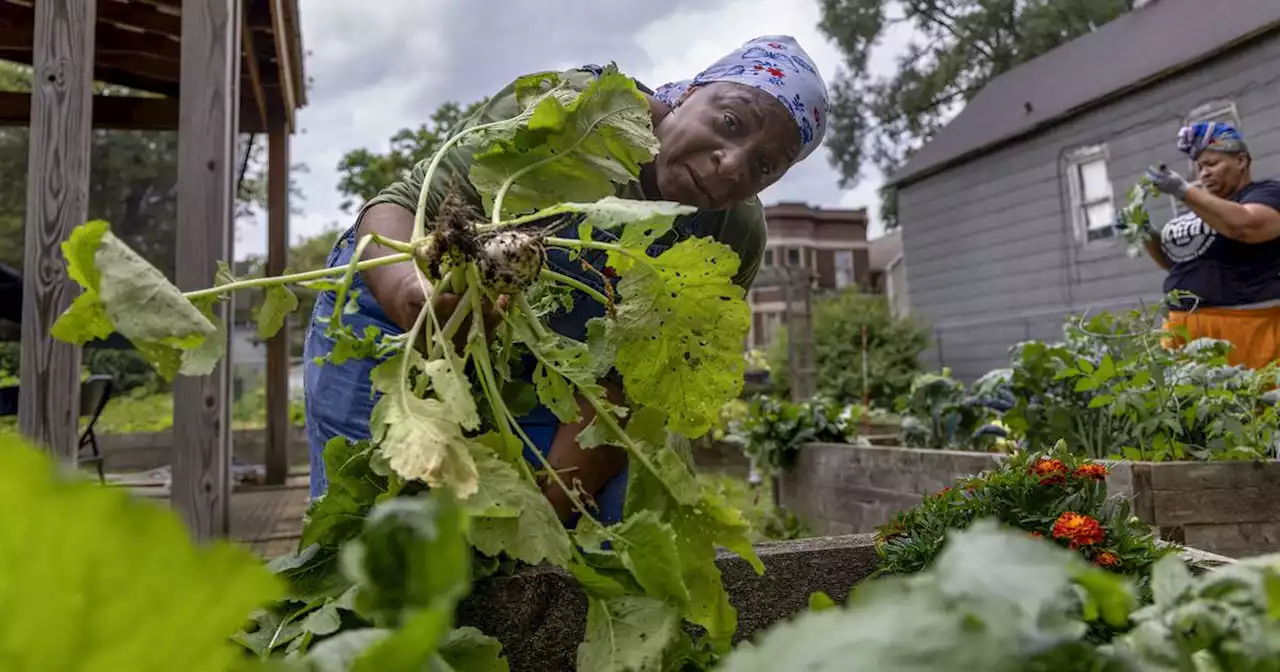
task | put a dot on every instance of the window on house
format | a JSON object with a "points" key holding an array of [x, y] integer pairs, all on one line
{"points": [[844, 268], [1093, 210], [768, 257], [793, 258]]}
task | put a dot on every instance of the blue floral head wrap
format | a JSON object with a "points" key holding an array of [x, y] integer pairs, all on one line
{"points": [[777, 65], [1216, 136]]}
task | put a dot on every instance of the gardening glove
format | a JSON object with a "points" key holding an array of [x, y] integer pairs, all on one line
{"points": [[1168, 181]]}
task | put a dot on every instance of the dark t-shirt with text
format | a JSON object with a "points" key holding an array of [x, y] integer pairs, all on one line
{"points": [[1218, 270]]}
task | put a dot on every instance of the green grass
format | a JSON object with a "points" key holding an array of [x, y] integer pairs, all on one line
{"points": [[130, 414]]}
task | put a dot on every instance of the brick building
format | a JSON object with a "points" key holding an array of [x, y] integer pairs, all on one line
{"points": [[833, 243]]}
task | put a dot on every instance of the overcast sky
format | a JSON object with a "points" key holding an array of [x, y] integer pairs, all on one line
{"points": [[382, 65]]}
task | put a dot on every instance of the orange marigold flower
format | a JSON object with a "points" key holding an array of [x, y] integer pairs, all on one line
{"points": [[1050, 471], [1106, 559], [942, 493], [1037, 535], [1077, 529], [1093, 471]]}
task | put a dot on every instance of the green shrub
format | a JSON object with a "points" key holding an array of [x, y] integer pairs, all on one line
{"points": [[893, 344]]}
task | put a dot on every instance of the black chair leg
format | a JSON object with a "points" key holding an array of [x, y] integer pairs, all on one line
{"points": [[97, 455]]}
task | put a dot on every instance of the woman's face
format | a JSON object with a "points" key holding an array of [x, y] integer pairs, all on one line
{"points": [[724, 144], [1222, 174]]}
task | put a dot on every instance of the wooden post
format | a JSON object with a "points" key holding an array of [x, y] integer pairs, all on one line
{"points": [[799, 288], [57, 202], [277, 457], [207, 130]]}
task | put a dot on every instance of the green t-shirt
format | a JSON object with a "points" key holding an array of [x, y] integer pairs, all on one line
{"points": [[742, 227]]}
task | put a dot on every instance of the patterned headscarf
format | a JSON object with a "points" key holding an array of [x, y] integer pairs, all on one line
{"points": [[777, 65], [1215, 136]]}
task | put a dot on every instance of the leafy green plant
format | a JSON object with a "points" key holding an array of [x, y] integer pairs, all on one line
{"points": [[939, 413], [893, 344], [445, 419], [773, 430], [1055, 495], [1111, 389], [94, 579], [998, 600]]}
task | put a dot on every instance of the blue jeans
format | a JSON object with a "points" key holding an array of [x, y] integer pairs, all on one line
{"points": [[340, 398]]}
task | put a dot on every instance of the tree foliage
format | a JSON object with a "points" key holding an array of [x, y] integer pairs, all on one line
{"points": [[958, 46], [893, 344], [364, 173]]}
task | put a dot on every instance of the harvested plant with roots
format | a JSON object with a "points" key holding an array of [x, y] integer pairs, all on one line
{"points": [[445, 425]]}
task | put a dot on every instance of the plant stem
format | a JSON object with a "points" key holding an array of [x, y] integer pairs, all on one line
{"points": [[522, 302], [548, 274], [340, 300], [420, 217], [460, 313], [487, 371], [295, 278], [595, 245]]}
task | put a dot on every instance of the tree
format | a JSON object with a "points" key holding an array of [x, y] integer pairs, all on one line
{"points": [[959, 46], [893, 344], [364, 173], [132, 181]]}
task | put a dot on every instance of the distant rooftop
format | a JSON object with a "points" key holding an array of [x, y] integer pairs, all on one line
{"points": [[1156, 40]]}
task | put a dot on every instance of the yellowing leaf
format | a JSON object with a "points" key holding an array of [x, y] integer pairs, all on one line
{"points": [[570, 150], [422, 440], [679, 333], [93, 579]]}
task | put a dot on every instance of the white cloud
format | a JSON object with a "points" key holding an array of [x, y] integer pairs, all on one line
{"points": [[379, 66]]}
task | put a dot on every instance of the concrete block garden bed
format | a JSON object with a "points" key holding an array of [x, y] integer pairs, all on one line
{"points": [[540, 614], [1230, 508]]}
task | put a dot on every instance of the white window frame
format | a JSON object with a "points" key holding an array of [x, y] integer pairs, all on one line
{"points": [[1079, 219], [835, 264], [1214, 110]]}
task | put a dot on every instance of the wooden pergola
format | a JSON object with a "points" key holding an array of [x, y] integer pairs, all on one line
{"points": [[195, 54]]}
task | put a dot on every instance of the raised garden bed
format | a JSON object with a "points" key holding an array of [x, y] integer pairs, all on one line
{"points": [[1230, 508]]}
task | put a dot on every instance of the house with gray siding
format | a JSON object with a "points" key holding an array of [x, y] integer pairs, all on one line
{"points": [[1006, 213]]}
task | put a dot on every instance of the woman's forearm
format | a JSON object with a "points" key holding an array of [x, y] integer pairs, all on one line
{"points": [[587, 468], [388, 283], [1231, 219], [1156, 252]]}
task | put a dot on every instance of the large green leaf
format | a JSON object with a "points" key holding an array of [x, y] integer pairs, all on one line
{"points": [[679, 333], [423, 440], [995, 600], [570, 149], [510, 515], [628, 634], [411, 555], [125, 293], [93, 579]]}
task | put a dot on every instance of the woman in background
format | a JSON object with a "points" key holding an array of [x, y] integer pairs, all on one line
{"points": [[1224, 252]]}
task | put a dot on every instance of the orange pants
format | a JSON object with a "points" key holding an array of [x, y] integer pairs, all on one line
{"points": [[1255, 334]]}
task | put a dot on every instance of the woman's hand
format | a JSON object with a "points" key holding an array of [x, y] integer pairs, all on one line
{"points": [[1168, 181], [396, 287]]}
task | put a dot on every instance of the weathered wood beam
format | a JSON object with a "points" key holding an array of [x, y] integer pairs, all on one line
{"points": [[127, 14], [57, 202], [284, 59], [206, 163], [123, 113], [277, 384], [255, 73]]}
